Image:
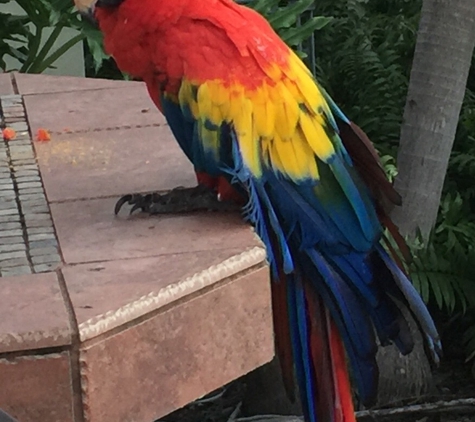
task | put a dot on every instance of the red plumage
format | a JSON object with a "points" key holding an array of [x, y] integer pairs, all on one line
{"points": [[173, 40]]}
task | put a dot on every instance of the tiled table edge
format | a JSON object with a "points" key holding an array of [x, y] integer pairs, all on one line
{"points": [[28, 242], [132, 311]]}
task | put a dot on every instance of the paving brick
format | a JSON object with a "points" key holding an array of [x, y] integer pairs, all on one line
{"points": [[43, 243], [45, 259], [33, 202], [12, 240], [41, 236], [6, 195], [10, 233], [44, 251], [26, 173], [15, 262], [7, 205], [4, 256], [39, 230], [6, 185], [23, 162], [12, 247], [34, 209], [15, 271], [38, 223], [42, 268], [29, 185], [28, 191], [25, 167], [9, 218], [19, 126], [25, 179], [10, 211], [32, 196], [10, 226], [39, 216]]}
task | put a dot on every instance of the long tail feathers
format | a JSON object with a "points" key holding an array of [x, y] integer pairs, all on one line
{"points": [[317, 351], [335, 401], [334, 285]]}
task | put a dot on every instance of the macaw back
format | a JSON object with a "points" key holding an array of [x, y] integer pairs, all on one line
{"points": [[251, 118]]}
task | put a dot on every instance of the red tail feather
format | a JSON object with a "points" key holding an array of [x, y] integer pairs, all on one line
{"points": [[322, 365], [333, 399], [344, 403], [282, 340]]}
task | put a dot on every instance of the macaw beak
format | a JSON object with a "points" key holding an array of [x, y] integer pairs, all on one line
{"points": [[89, 16], [86, 8]]}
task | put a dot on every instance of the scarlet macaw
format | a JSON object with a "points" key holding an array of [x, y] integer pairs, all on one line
{"points": [[255, 124]]}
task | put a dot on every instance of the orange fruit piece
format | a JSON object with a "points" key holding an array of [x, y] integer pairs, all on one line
{"points": [[8, 134], [42, 135]]}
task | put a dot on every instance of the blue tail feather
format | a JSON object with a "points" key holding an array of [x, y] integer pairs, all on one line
{"points": [[416, 305], [351, 318], [298, 351], [303, 333]]}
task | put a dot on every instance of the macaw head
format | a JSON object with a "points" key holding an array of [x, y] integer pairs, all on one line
{"points": [[87, 7]]}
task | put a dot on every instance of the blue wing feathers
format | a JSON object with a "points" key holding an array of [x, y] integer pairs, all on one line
{"points": [[181, 127], [366, 215]]}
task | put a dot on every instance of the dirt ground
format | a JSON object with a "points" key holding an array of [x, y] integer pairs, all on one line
{"points": [[454, 380]]}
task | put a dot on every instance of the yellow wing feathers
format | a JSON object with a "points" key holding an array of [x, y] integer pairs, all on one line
{"points": [[280, 125]]}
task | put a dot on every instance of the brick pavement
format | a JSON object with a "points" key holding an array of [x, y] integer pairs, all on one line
{"points": [[28, 243]]}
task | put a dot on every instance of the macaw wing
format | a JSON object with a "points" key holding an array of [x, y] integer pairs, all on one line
{"points": [[204, 145], [285, 133]]}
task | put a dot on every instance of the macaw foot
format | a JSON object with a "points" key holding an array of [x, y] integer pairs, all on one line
{"points": [[178, 200]]}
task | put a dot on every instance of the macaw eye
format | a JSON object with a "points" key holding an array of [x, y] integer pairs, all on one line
{"points": [[109, 3]]}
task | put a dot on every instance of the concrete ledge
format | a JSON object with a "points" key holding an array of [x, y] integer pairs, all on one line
{"points": [[106, 318]]}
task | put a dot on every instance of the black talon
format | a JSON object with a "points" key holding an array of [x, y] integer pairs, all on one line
{"points": [[142, 202], [136, 207], [178, 200], [119, 204], [138, 201]]}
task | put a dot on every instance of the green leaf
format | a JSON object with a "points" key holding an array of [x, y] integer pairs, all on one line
{"points": [[297, 35], [285, 17], [38, 62], [58, 53]]}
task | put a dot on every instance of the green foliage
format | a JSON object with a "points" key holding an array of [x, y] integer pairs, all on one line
{"points": [[443, 270], [363, 59], [26, 36], [290, 20], [12, 29]]}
